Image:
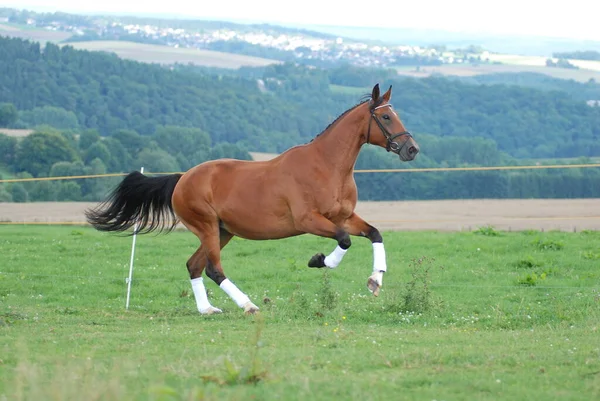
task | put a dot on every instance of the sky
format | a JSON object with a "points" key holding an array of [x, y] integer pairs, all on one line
{"points": [[571, 19]]}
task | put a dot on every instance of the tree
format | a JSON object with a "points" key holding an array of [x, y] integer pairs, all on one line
{"points": [[87, 138], [98, 151], [5, 196], [182, 140], [56, 117], [39, 151], [19, 193], [8, 148], [157, 161], [8, 114]]}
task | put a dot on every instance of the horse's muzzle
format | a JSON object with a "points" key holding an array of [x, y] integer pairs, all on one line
{"points": [[409, 150]]}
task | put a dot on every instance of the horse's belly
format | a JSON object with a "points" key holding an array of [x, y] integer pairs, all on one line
{"points": [[258, 219], [260, 231]]}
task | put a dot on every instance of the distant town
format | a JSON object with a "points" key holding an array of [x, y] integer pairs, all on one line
{"points": [[294, 45]]}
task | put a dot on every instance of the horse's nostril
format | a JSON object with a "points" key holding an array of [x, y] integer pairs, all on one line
{"points": [[412, 150]]}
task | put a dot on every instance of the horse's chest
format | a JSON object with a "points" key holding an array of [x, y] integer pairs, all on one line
{"points": [[340, 210], [340, 204]]}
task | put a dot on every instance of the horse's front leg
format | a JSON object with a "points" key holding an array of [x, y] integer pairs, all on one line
{"points": [[355, 225], [318, 224]]}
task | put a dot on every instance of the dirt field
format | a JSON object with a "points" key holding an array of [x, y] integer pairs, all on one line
{"points": [[451, 215]]}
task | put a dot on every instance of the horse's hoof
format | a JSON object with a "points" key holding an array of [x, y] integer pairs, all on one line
{"points": [[211, 310], [317, 261], [373, 286], [250, 308]]}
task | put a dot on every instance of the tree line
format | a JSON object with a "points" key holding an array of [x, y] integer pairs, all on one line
{"points": [[592, 55], [48, 152]]}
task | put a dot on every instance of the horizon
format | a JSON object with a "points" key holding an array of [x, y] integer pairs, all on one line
{"points": [[551, 21]]}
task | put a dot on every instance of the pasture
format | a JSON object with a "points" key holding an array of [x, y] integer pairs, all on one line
{"points": [[169, 55], [482, 315]]}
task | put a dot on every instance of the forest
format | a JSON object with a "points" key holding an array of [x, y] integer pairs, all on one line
{"points": [[93, 113]]}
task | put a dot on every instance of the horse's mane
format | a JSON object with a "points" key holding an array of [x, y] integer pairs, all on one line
{"points": [[363, 99]]}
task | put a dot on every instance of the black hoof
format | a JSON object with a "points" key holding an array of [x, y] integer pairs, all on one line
{"points": [[317, 261]]}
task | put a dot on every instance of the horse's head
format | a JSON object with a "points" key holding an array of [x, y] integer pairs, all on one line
{"points": [[388, 130]]}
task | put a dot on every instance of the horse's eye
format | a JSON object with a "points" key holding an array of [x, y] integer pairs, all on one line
{"points": [[386, 117]]}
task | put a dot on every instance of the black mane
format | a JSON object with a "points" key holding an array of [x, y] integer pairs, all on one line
{"points": [[363, 99]]}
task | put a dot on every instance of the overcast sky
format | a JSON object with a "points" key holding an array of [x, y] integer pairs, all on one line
{"points": [[571, 19]]}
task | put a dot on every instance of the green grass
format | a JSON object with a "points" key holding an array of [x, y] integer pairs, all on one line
{"points": [[493, 316]]}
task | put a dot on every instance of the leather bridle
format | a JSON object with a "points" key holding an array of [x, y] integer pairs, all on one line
{"points": [[391, 145]]}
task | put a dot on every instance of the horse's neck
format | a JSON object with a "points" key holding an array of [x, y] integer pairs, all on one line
{"points": [[341, 143]]}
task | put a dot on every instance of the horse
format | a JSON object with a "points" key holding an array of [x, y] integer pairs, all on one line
{"points": [[308, 189]]}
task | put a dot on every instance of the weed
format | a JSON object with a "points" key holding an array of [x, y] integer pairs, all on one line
{"points": [[547, 244], [591, 255], [416, 295], [328, 298], [528, 262], [488, 231], [531, 279]]}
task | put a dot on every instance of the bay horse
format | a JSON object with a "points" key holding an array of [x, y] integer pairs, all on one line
{"points": [[308, 189]]}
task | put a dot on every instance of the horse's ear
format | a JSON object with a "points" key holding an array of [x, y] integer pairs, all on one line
{"points": [[387, 95], [375, 93]]}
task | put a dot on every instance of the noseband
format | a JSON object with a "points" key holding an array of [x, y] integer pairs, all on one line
{"points": [[391, 145]]}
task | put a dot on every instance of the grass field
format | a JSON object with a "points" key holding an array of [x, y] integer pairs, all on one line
{"points": [[481, 316], [170, 55]]}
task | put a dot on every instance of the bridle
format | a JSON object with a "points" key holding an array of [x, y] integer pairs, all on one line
{"points": [[391, 145]]}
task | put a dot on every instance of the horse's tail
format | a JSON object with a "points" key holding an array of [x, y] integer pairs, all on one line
{"points": [[137, 199]]}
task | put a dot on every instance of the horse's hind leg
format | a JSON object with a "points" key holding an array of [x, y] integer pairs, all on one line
{"points": [[196, 265], [210, 240]]}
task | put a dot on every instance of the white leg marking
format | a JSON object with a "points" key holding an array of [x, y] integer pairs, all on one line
{"points": [[334, 258], [238, 296], [379, 263], [379, 267], [204, 307]]}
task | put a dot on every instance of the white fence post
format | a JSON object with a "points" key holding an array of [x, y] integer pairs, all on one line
{"points": [[128, 280]]}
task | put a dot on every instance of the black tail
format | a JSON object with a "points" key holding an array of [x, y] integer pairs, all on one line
{"points": [[137, 199]]}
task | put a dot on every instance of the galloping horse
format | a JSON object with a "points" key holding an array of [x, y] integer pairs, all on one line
{"points": [[309, 189]]}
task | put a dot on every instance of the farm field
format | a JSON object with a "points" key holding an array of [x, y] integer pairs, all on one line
{"points": [[443, 215], [516, 59], [169, 55], [35, 34], [17, 133], [484, 315], [581, 75]]}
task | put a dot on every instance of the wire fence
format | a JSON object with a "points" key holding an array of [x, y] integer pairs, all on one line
{"points": [[359, 171]]}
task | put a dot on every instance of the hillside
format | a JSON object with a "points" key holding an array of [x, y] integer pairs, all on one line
{"points": [[94, 113], [106, 93]]}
